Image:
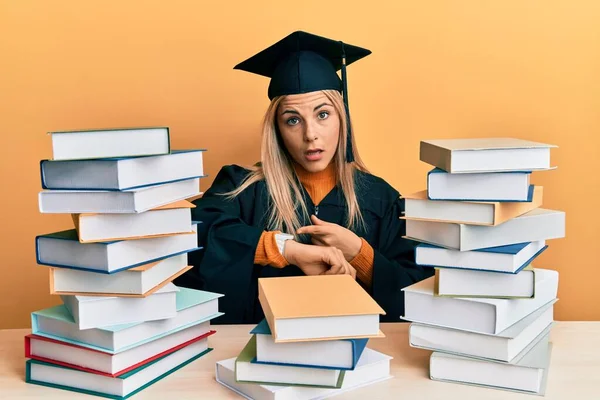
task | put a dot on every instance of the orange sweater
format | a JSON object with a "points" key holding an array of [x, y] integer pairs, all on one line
{"points": [[318, 185]]}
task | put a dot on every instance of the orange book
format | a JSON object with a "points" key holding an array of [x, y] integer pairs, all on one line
{"points": [[171, 219], [492, 213], [324, 307]]}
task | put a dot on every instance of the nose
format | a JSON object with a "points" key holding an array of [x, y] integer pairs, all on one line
{"points": [[310, 131]]}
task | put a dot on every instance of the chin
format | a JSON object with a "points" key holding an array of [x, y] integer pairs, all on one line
{"points": [[315, 166]]}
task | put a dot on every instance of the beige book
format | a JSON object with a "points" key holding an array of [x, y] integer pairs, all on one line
{"points": [[486, 155], [140, 281], [324, 307]]}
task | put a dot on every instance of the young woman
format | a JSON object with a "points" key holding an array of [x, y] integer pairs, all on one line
{"points": [[309, 207]]}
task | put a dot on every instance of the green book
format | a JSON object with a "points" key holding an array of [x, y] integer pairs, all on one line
{"points": [[248, 371]]}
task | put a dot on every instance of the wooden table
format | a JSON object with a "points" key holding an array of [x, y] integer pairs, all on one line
{"points": [[574, 369]]}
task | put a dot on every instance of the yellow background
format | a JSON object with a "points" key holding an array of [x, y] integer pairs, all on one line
{"points": [[439, 69]]}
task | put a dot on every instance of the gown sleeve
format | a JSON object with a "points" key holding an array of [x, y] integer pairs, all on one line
{"points": [[393, 264], [226, 263]]}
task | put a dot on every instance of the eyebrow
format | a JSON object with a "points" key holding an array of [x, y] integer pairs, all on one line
{"points": [[297, 113]]}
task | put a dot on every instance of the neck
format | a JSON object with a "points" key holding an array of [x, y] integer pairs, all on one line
{"points": [[317, 184]]}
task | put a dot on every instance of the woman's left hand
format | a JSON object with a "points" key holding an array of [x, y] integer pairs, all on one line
{"points": [[333, 235]]}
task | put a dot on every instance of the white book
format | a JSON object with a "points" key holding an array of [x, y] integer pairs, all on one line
{"points": [[481, 315], [47, 374], [538, 224], [122, 173], [170, 219], [62, 249], [116, 202], [487, 186], [101, 143], [97, 312], [528, 374], [372, 367], [507, 259], [194, 307], [44, 349], [139, 281], [486, 155], [471, 283], [504, 346]]}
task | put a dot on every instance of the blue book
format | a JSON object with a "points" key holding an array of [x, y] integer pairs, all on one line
{"points": [[340, 354], [194, 307], [513, 186], [63, 249], [122, 173], [121, 387], [505, 259]]}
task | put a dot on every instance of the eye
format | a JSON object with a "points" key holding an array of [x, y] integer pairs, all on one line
{"points": [[323, 114], [292, 121]]}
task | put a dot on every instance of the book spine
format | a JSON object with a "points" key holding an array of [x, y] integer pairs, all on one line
{"points": [[267, 311], [168, 140], [42, 162], [435, 156]]}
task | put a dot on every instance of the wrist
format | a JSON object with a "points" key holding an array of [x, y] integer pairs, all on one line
{"points": [[289, 250], [356, 248]]}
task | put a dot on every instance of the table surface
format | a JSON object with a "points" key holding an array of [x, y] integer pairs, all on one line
{"points": [[574, 367]]}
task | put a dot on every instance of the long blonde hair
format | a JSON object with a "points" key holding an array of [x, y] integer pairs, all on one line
{"points": [[282, 183]]}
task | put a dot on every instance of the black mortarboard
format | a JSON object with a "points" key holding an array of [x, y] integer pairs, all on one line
{"points": [[301, 63]]}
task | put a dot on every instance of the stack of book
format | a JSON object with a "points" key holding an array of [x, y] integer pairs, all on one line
{"points": [[312, 343], [487, 313], [123, 324]]}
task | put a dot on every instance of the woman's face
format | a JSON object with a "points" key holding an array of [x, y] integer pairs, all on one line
{"points": [[310, 129]]}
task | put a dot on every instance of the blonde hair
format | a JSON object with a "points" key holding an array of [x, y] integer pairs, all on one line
{"points": [[276, 168]]}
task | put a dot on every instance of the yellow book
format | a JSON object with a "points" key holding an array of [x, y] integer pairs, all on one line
{"points": [[324, 307]]}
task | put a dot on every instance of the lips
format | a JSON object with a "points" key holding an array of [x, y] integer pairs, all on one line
{"points": [[313, 154], [313, 151]]}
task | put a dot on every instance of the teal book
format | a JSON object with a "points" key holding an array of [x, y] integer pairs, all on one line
{"points": [[121, 387], [193, 307]]}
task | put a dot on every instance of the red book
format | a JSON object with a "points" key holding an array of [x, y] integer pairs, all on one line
{"points": [[105, 363]]}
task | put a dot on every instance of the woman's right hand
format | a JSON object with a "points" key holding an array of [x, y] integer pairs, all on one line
{"points": [[317, 260]]}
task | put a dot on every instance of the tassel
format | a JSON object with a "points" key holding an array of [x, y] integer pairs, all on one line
{"points": [[349, 152]]}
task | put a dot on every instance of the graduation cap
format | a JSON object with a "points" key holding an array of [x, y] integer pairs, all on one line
{"points": [[302, 63]]}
